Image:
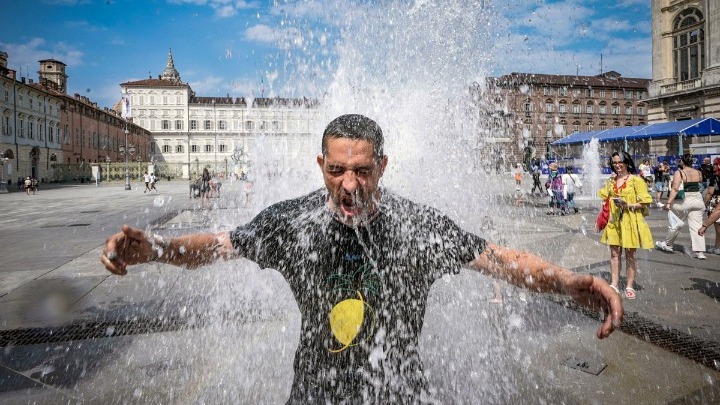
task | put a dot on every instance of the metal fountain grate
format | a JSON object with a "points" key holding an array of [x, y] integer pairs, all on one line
{"points": [[702, 351], [140, 326]]}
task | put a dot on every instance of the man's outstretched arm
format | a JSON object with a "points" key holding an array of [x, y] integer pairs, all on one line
{"points": [[529, 271], [134, 246]]}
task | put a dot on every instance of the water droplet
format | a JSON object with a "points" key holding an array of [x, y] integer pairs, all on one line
{"points": [[159, 201], [110, 330]]}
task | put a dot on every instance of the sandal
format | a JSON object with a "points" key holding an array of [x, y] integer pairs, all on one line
{"points": [[615, 288], [630, 293]]}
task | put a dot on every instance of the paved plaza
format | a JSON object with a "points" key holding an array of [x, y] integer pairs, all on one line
{"points": [[71, 333]]}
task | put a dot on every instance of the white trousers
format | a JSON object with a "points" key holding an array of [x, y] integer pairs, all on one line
{"points": [[689, 210]]}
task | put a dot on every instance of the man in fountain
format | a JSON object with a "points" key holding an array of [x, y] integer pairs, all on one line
{"points": [[360, 261]]}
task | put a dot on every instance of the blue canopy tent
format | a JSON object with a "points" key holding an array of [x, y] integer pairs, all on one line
{"points": [[695, 127]]}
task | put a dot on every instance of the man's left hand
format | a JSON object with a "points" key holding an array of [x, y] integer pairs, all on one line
{"points": [[596, 294]]}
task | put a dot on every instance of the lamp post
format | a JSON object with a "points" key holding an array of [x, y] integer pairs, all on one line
{"points": [[125, 150], [3, 185], [107, 172]]}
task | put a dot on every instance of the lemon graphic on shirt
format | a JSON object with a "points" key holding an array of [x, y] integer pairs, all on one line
{"points": [[346, 320]]}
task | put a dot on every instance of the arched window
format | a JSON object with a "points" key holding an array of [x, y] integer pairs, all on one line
{"points": [[688, 39]]}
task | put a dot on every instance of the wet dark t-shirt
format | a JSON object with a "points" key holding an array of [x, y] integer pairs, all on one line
{"points": [[361, 291]]}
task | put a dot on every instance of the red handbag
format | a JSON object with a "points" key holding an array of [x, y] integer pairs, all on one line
{"points": [[604, 215]]}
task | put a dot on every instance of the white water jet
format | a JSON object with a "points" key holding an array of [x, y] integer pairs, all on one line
{"points": [[592, 171]]}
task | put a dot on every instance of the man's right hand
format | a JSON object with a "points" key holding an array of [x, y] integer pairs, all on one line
{"points": [[128, 247]]}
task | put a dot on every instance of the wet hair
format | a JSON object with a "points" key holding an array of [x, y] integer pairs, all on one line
{"points": [[626, 158], [687, 159], [357, 127]]}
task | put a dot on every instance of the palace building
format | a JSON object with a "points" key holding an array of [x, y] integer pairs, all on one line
{"points": [[227, 135]]}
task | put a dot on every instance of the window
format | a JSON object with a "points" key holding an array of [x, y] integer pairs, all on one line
{"points": [[7, 95], [616, 124], [165, 124], [603, 109], [548, 91], [589, 92], [549, 107], [576, 127], [562, 91], [641, 110], [6, 125], [30, 102], [51, 135], [589, 126], [31, 132], [222, 148], [166, 149], [628, 94], [589, 109], [562, 108], [178, 125], [208, 124], [528, 109], [178, 100], [249, 125], [601, 93], [193, 148], [164, 100], [615, 109], [688, 45], [603, 126], [193, 124], [208, 148], [179, 149], [576, 108], [576, 93], [222, 125], [628, 110]]}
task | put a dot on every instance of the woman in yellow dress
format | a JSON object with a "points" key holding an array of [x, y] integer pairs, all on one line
{"points": [[626, 229]]}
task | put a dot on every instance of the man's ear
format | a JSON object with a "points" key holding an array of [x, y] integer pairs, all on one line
{"points": [[320, 160], [383, 163]]}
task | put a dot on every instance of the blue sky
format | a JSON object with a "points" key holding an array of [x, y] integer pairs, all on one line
{"points": [[249, 48]]}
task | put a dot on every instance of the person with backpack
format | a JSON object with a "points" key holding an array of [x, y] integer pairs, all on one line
{"points": [[554, 185], [571, 185]]}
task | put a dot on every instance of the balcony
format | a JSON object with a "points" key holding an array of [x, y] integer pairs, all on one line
{"points": [[680, 86]]}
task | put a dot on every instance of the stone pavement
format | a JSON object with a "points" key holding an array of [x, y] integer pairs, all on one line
{"points": [[73, 333]]}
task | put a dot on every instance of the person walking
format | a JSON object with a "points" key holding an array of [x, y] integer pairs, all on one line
{"points": [[354, 250], [686, 202], [34, 184], [205, 188], [571, 185], [706, 168], [712, 201], [662, 170], [535, 168], [518, 177], [555, 189], [146, 179], [153, 180], [626, 229], [645, 170], [28, 185]]}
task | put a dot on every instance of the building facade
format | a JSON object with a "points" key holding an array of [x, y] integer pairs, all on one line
{"points": [[56, 137], [686, 67], [527, 112], [224, 134]]}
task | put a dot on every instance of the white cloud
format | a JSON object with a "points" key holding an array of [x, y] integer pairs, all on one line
{"points": [[223, 8], [22, 56]]}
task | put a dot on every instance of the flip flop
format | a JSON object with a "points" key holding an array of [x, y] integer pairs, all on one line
{"points": [[630, 293], [615, 288]]}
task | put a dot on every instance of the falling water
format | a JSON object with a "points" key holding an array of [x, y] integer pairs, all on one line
{"points": [[408, 66], [591, 168]]}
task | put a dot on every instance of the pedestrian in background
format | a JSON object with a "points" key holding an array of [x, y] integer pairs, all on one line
{"points": [[518, 177], [686, 202], [712, 201], [153, 180], [706, 168], [645, 170], [662, 170], [626, 229], [535, 168], [146, 179], [555, 190], [28, 185], [571, 185]]}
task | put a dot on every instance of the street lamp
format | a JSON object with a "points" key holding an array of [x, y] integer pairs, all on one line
{"points": [[107, 173], [3, 185], [125, 150]]}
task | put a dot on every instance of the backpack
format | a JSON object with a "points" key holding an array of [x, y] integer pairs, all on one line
{"points": [[556, 183]]}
